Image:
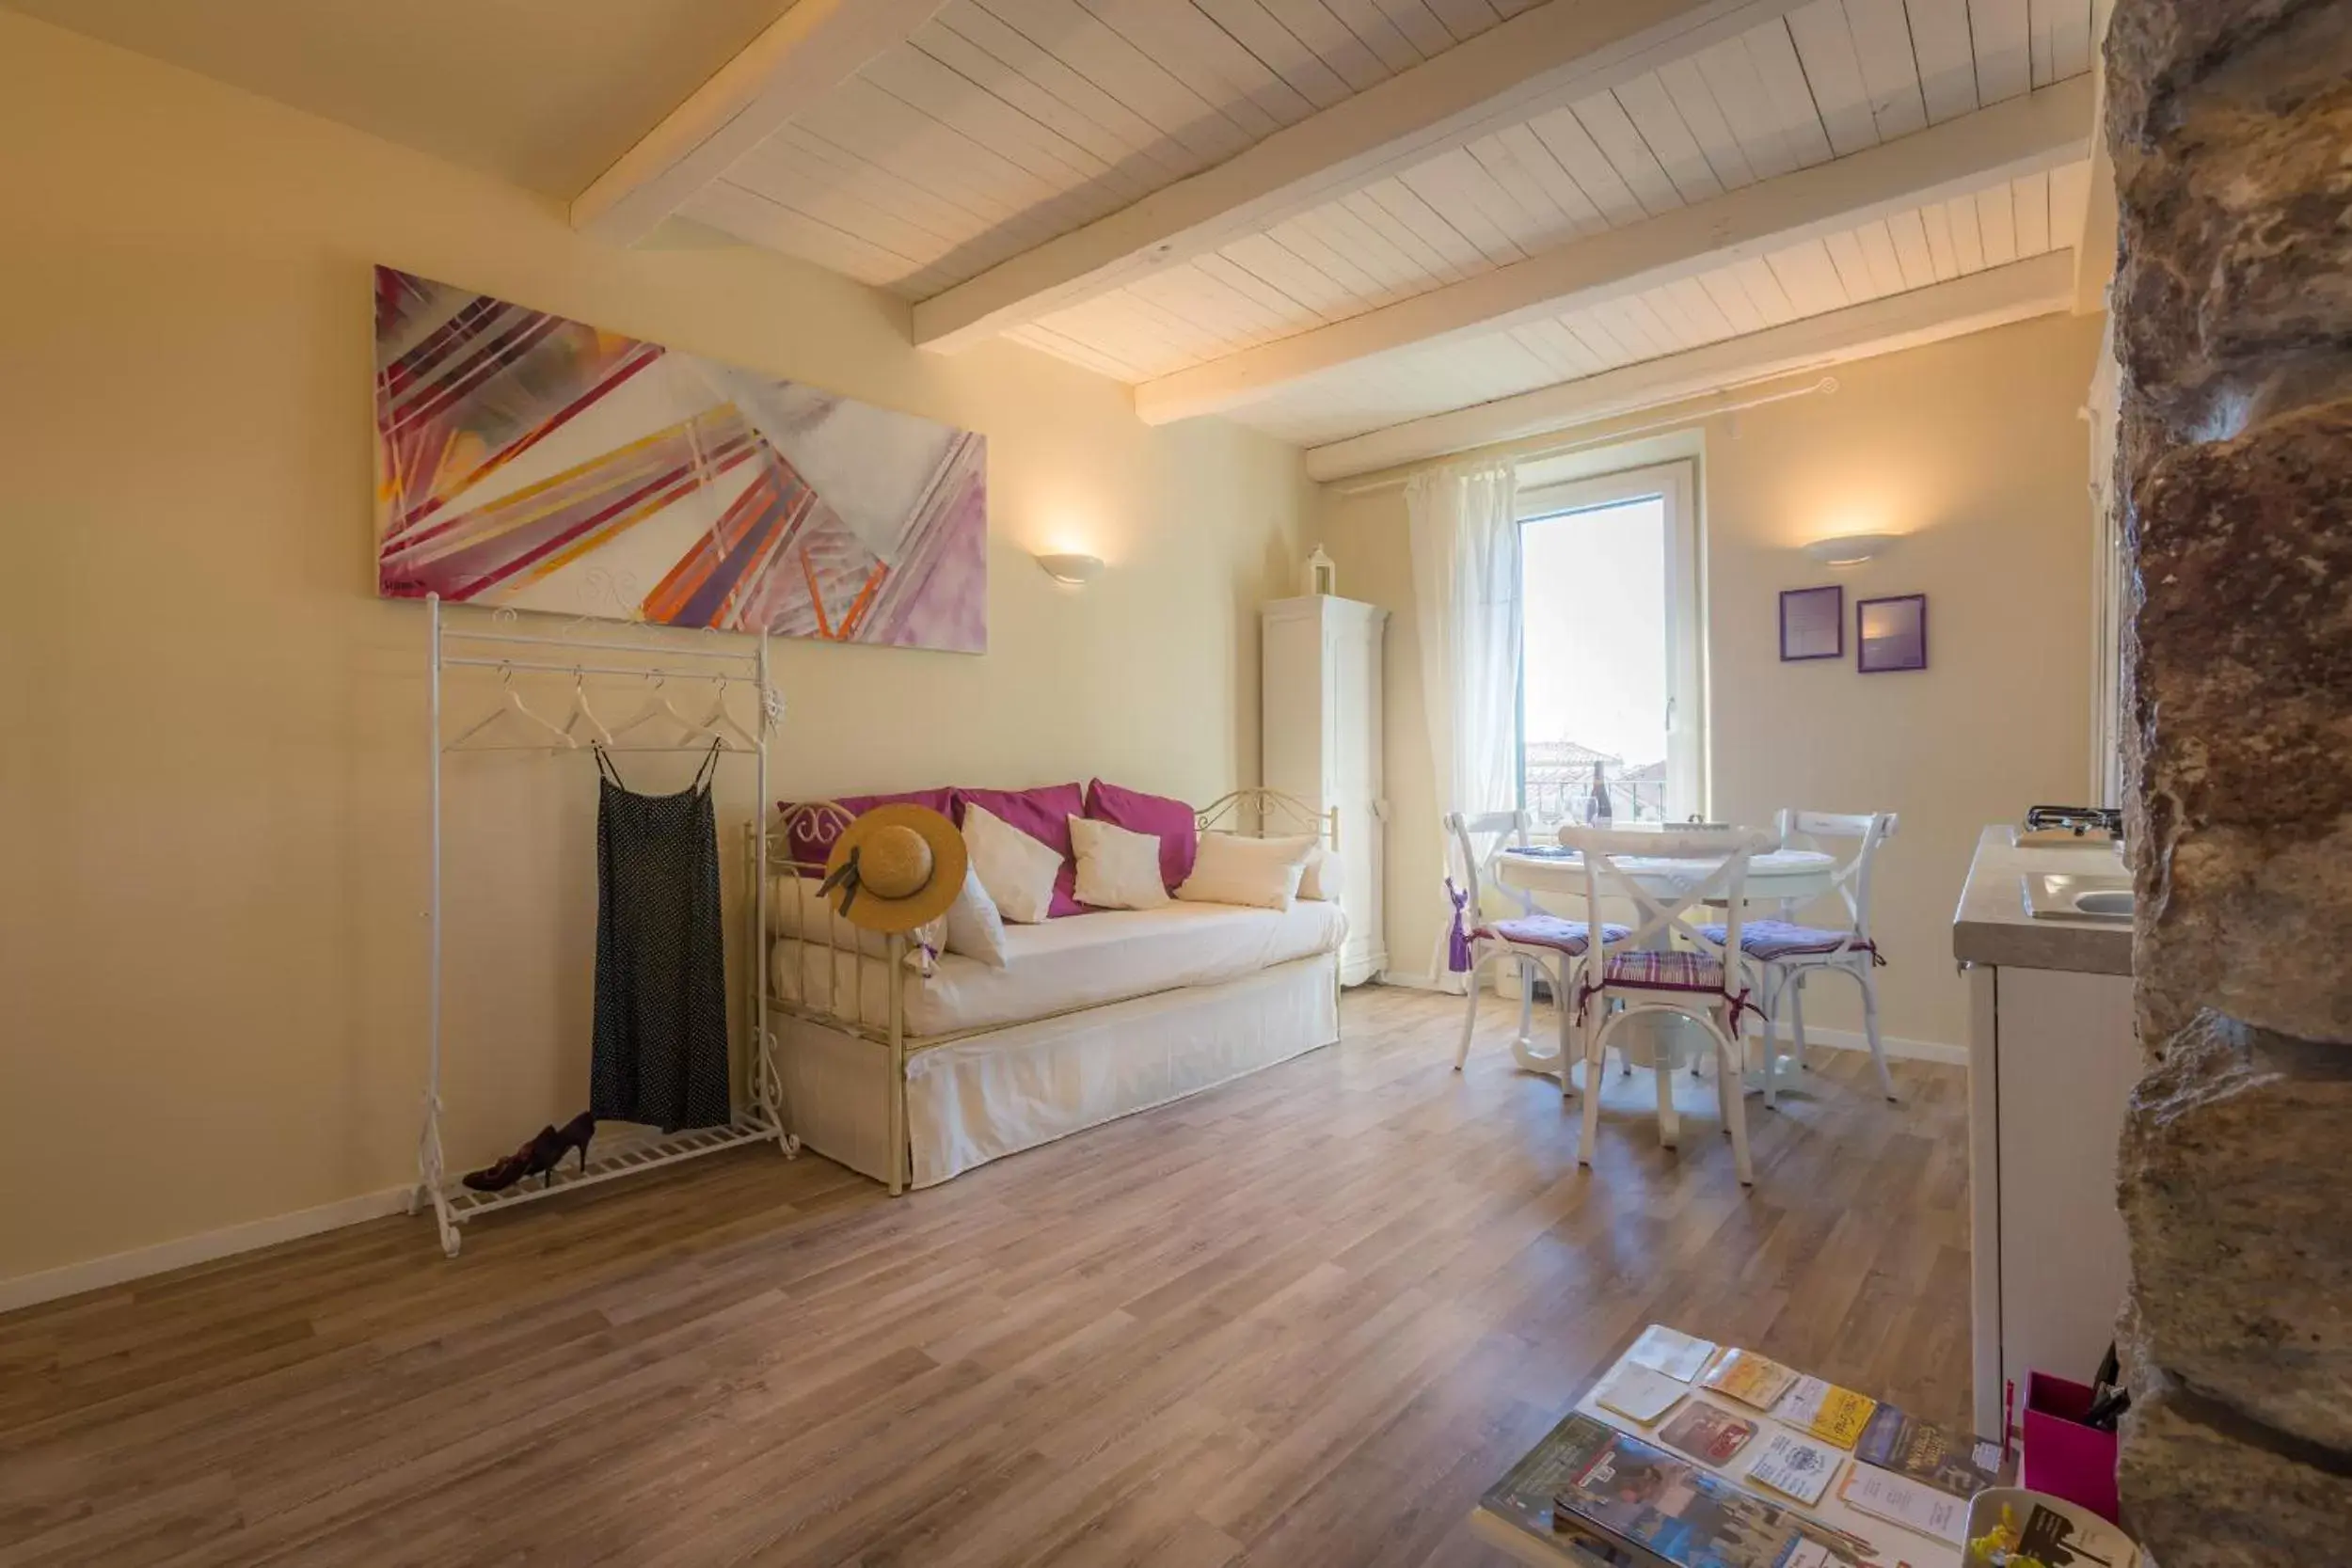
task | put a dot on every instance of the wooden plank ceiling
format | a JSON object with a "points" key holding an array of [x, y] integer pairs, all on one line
{"points": [[1920, 246], [1003, 123]]}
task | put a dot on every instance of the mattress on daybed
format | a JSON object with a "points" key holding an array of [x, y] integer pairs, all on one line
{"points": [[1082, 960]]}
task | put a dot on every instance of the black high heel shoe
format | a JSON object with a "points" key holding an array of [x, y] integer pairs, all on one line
{"points": [[575, 1133], [539, 1157]]}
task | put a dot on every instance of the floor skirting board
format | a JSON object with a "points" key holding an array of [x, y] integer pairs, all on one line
{"points": [[97, 1273], [1815, 1034], [1854, 1039]]}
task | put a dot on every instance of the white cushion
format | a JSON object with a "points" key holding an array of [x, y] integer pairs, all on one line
{"points": [[1321, 880], [970, 927], [1257, 873], [1117, 869], [1017, 871]]}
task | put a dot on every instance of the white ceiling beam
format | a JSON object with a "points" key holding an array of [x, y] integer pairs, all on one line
{"points": [[2095, 234], [2095, 226], [2023, 135], [1536, 60], [2042, 285], [810, 49]]}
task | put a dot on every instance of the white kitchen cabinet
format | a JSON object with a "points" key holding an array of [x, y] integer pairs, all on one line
{"points": [[2052, 1060], [1320, 715]]}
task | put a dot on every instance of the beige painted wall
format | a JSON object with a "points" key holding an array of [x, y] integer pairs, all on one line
{"points": [[212, 775], [1972, 448]]}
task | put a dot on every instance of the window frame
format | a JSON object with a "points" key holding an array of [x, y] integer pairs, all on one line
{"points": [[1675, 484]]}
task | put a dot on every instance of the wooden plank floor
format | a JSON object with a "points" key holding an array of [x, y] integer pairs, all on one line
{"points": [[1301, 1319]]}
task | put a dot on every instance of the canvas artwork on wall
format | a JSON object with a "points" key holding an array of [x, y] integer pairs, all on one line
{"points": [[529, 460]]}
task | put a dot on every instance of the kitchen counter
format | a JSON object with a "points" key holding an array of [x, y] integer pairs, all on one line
{"points": [[2053, 1055], [1994, 926]]}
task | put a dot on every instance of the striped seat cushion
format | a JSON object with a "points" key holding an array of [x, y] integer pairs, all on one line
{"points": [[1781, 939], [1548, 930], [1676, 971]]}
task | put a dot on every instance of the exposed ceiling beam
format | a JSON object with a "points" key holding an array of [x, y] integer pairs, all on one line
{"points": [[2095, 226], [2094, 242], [2095, 236], [808, 50], [1668, 420], [2020, 136], [1536, 60], [2037, 287]]}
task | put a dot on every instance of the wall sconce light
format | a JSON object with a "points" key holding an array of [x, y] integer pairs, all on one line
{"points": [[1077, 570], [1850, 549]]}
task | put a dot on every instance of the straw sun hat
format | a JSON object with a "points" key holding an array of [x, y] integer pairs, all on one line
{"points": [[894, 868]]}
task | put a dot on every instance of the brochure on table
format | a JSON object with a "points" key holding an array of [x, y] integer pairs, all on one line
{"points": [[1895, 1545]]}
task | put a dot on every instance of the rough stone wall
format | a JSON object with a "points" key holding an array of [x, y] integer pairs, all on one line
{"points": [[2230, 122]]}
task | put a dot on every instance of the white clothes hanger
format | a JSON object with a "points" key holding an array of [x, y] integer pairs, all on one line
{"points": [[512, 705], [660, 707], [599, 734], [722, 726]]}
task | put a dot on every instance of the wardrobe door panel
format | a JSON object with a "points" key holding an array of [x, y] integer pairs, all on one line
{"points": [[1322, 742]]}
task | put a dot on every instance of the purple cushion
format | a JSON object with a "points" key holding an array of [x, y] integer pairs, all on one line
{"points": [[1548, 930], [1781, 939], [1645, 970], [1171, 821], [1045, 814], [813, 835]]}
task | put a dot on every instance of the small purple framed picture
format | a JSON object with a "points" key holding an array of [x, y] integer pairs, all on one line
{"points": [[1812, 622], [1890, 634]]}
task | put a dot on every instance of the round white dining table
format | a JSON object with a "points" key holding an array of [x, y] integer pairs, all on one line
{"points": [[1775, 875]]}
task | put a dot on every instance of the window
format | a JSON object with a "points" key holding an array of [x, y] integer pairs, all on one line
{"points": [[1611, 673]]}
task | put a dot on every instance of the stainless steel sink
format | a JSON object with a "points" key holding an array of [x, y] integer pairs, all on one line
{"points": [[2075, 896]]}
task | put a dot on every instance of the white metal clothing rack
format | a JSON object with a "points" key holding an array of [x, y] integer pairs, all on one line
{"points": [[512, 725]]}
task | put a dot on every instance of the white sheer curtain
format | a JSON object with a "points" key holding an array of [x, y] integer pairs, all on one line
{"points": [[1465, 534]]}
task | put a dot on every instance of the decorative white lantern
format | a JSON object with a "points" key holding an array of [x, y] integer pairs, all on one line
{"points": [[1322, 576]]}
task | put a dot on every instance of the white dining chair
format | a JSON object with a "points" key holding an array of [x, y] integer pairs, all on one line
{"points": [[1789, 954], [1540, 943], [1643, 973]]}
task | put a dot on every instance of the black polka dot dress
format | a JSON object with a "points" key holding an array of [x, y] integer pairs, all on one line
{"points": [[662, 983]]}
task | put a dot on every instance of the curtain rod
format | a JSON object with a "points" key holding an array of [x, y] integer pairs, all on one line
{"points": [[1561, 449]]}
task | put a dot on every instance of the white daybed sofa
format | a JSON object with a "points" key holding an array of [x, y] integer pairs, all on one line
{"points": [[1094, 1017]]}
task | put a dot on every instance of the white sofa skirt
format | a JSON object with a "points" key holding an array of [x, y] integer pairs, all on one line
{"points": [[979, 1099]]}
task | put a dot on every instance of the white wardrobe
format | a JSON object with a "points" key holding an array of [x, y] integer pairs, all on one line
{"points": [[1321, 713]]}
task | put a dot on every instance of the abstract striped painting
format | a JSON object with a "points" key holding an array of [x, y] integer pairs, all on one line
{"points": [[524, 459]]}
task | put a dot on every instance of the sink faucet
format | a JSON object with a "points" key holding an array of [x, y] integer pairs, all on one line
{"points": [[2079, 820]]}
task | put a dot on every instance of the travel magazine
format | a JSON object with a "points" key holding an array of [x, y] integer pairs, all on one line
{"points": [[1834, 1414], [1908, 1446], [1590, 1488], [1748, 1376]]}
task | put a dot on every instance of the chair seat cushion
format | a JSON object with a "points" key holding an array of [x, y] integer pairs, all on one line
{"points": [[1781, 939], [1548, 930], [1642, 970]]}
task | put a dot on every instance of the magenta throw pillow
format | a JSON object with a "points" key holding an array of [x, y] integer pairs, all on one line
{"points": [[813, 836], [1045, 814], [1171, 821]]}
